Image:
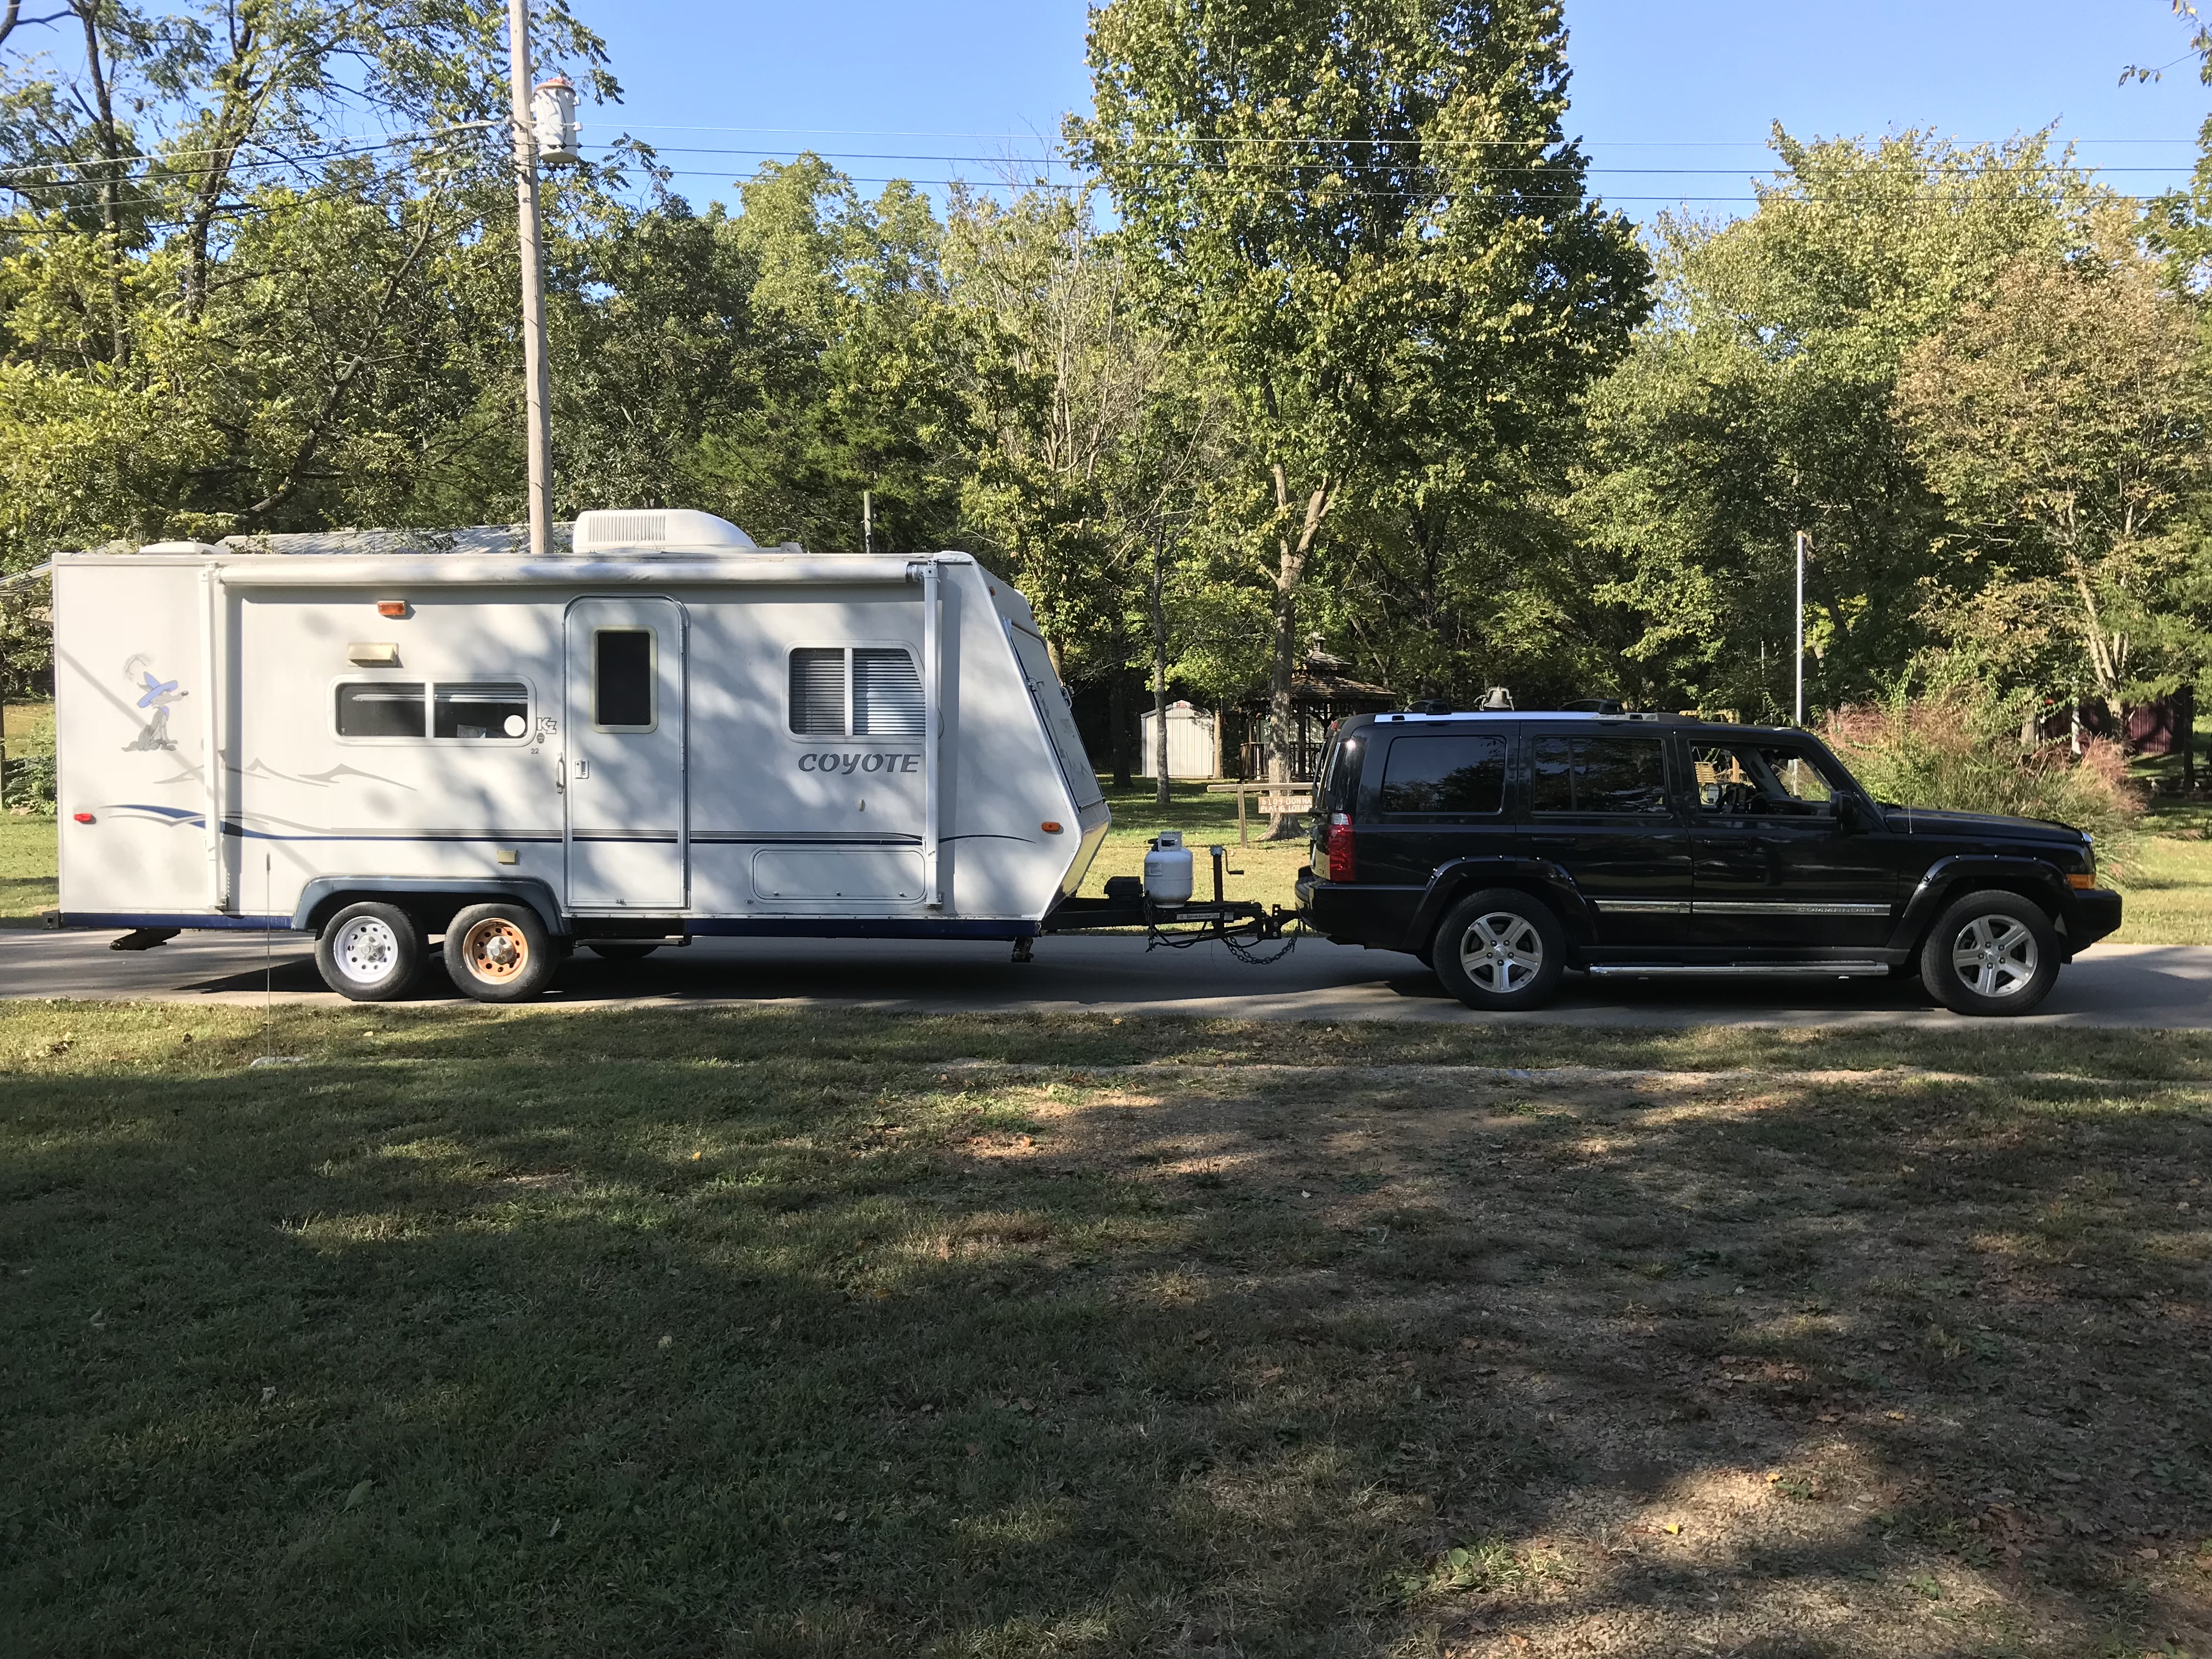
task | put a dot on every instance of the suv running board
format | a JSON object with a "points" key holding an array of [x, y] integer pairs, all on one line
{"points": [[1822, 969]]}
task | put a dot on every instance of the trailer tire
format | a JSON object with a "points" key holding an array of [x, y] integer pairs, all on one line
{"points": [[499, 953], [371, 952], [623, 949]]}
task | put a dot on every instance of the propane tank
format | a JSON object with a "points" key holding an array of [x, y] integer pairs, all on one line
{"points": [[1167, 871]]}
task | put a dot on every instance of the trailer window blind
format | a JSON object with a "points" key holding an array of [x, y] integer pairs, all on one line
{"points": [[621, 679], [381, 708], [480, 709], [886, 695], [817, 691]]}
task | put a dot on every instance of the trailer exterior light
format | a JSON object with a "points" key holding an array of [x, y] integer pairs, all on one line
{"points": [[372, 653], [1049, 827], [82, 817], [395, 608], [1343, 864]]}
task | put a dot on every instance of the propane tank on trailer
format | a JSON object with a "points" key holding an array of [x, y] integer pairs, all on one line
{"points": [[1167, 871]]}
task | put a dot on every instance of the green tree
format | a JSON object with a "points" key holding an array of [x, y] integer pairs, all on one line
{"points": [[1363, 220], [1759, 402], [2065, 422]]}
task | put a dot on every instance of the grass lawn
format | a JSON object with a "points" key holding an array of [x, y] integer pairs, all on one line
{"points": [[1271, 869], [696, 1333]]}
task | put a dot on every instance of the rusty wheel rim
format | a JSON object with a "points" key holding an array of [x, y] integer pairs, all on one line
{"points": [[496, 949]]}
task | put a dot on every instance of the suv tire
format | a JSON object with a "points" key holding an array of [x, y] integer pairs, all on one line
{"points": [[1991, 953], [370, 953], [1500, 950], [499, 953]]}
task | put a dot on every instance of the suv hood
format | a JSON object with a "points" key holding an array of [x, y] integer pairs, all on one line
{"points": [[1931, 821]]}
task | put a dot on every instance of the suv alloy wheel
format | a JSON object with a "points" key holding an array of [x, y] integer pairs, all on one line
{"points": [[1500, 950], [1991, 952]]}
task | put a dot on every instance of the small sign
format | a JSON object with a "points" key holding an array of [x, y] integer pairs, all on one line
{"points": [[1279, 804]]}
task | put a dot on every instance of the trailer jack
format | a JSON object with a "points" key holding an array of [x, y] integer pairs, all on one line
{"points": [[1240, 924]]}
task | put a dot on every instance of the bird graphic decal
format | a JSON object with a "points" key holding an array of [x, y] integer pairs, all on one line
{"points": [[155, 694]]}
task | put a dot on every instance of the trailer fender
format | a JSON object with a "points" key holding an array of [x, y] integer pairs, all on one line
{"points": [[1540, 877], [2031, 879], [323, 896]]}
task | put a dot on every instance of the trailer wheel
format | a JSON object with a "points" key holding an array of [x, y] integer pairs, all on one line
{"points": [[499, 953], [623, 949], [370, 953]]}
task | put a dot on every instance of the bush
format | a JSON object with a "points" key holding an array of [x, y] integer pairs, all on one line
{"points": [[1959, 747], [30, 783]]}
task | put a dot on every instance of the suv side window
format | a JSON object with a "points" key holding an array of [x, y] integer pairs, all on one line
{"points": [[1455, 776], [1622, 776], [1761, 780]]}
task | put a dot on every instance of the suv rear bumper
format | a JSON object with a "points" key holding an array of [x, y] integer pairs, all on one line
{"points": [[1359, 913]]}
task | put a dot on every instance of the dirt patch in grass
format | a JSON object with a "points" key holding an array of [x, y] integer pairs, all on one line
{"points": [[733, 1333]]}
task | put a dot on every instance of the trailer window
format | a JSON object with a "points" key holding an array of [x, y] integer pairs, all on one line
{"points": [[480, 709], [886, 695], [818, 692], [866, 692], [381, 708], [622, 679]]}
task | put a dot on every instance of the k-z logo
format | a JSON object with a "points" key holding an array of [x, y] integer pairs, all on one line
{"points": [[844, 764]]}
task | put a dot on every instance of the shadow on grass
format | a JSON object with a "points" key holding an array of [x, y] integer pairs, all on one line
{"points": [[791, 1334]]}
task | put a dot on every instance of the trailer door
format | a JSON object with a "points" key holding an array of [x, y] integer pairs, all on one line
{"points": [[626, 822]]}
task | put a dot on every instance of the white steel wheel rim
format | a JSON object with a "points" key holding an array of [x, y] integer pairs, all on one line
{"points": [[1502, 952], [367, 950], [1995, 956]]}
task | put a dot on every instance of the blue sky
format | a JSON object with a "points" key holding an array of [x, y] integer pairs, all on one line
{"points": [[1674, 98]]}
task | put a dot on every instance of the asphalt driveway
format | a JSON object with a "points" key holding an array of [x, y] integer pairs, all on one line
{"points": [[2160, 985]]}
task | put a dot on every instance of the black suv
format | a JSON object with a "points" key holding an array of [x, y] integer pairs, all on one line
{"points": [[1503, 849]]}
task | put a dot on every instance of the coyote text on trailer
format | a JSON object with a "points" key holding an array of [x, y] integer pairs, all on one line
{"points": [[666, 731]]}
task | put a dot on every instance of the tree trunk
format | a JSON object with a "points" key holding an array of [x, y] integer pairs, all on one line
{"points": [[1289, 571], [2183, 705], [1159, 672], [1221, 741], [1119, 713], [110, 151]]}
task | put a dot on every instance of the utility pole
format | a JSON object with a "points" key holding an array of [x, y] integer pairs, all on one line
{"points": [[533, 288], [1803, 542], [1161, 794], [868, 522]]}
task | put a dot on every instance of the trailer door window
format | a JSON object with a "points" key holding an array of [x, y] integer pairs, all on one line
{"points": [[866, 691], [381, 708], [622, 679], [480, 709]]}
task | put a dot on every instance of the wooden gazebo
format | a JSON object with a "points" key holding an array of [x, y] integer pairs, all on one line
{"points": [[1322, 693]]}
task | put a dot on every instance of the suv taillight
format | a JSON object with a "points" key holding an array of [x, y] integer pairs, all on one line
{"points": [[1337, 838]]}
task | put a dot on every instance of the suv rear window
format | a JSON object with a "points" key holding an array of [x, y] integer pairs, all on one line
{"points": [[1599, 774], [1444, 775]]}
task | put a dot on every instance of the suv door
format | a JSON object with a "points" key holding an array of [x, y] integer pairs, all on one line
{"points": [[1597, 804], [1439, 794], [1777, 866]]}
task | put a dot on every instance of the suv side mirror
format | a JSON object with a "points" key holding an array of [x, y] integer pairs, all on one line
{"points": [[1855, 815]]}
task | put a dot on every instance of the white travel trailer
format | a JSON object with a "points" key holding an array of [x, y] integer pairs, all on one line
{"points": [[664, 731]]}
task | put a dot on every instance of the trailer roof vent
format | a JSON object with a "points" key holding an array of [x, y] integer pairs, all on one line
{"points": [[598, 532]]}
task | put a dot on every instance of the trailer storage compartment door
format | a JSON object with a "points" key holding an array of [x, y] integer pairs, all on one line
{"points": [[627, 827], [1053, 715]]}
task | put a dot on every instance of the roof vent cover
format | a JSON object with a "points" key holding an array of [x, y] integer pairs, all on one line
{"points": [[597, 532]]}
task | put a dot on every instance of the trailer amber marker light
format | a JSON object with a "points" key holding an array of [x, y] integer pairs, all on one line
{"points": [[395, 608], [1049, 827]]}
